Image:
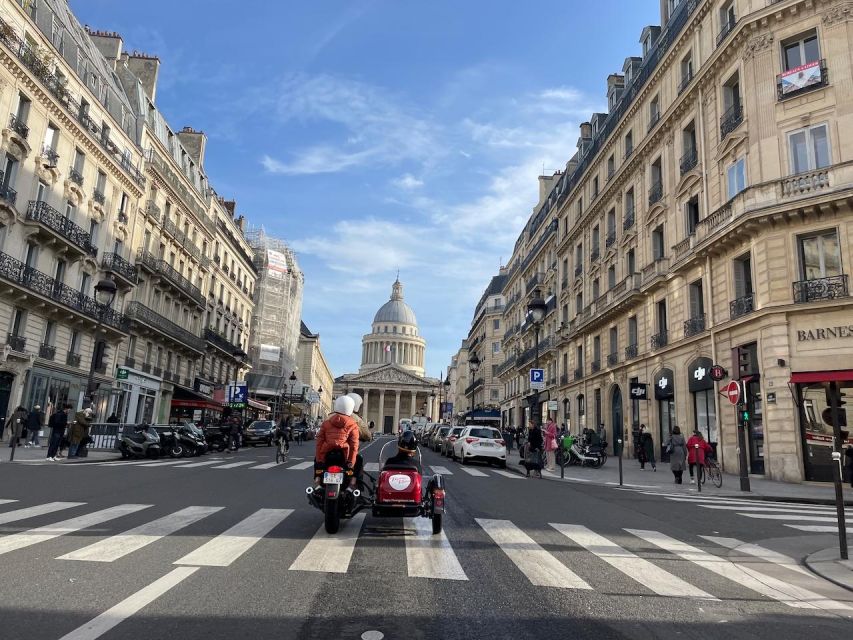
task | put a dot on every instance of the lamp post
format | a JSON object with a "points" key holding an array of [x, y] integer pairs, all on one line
{"points": [[290, 393], [320, 401], [536, 309], [446, 392], [105, 293], [473, 367]]}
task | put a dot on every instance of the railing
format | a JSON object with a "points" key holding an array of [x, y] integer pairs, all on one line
{"points": [[725, 31], [685, 82], [163, 168], [821, 289], [157, 371], [660, 340], [7, 193], [564, 378], [115, 263], [75, 176], [628, 151], [99, 197], [578, 373], [731, 119], [50, 154], [807, 77], [612, 359], [152, 211], [72, 359], [595, 366], [655, 192], [595, 254], [631, 351], [47, 351], [610, 240], [19, 127], [688, 160], [18, 343], [683, 246], [43, 213], [629, 219], [806, 183], [657, 268], [564, 283], [741, 306], [166, 270], [42, 284], [536, 279], [474, 386], [139, 311], [694, 326], [578, 270]]}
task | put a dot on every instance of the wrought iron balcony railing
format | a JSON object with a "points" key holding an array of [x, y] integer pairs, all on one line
{"points": [[19, 126], [741, 306], [803, 79], [688, 160], [610, 240], [595, 366], [43, 213], [72, 359], [47, 351], [612, 359], [578, 373], [694, 326], [99, 197], [75, 176], [655, 192], [148, 260], [578, 270], [629, 218], [821, 289], [138, 311], [18, 343], [660, 340], [685, 81], [218, 340], [728, 25], [653, 120], [631, 351], [115, 263], [7, 193], [731, 119], [50, 155]]}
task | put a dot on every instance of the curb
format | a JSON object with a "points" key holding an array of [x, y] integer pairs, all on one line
{"points": [[826, 564]]}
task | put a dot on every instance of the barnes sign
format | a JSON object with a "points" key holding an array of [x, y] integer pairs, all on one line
{"points": [[826, 333]]}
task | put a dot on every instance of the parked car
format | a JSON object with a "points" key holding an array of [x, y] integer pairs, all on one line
{"points": [[435, 443], [449, 439], [484, 444], [259, 432], [426, 438]]}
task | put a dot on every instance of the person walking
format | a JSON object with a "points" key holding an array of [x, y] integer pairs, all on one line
{"points": [[58, 423], [698, 450], [533, 449], [550, 443], [15, 425], [35, 421], [646, 452], [79, 431], [677, 453]]}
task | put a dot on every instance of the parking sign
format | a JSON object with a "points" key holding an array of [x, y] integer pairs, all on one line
{"points": [[537, 379]]}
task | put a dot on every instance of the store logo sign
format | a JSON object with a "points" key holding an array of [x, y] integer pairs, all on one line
{"points": [[700, 373]]}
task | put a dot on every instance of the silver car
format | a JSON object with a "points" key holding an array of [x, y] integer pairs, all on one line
{"points": [[448, 440], [435, 441]]}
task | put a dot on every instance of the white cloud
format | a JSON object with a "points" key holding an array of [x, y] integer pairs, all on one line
{"points": [[407, 181]]}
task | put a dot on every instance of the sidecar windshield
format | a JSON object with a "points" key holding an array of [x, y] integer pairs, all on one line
{"points": [[390, 450]]}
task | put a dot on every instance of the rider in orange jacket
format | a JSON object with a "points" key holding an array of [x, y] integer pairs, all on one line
{"points": [[338, 431]]}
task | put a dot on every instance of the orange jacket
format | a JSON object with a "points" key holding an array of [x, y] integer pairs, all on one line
{"points": [[338, 432]]}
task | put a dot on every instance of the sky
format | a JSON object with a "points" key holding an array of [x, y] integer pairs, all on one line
{"points": [[378, 135]]}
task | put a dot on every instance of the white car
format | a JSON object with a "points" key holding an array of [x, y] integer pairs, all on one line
{"points": [[480, 443]]}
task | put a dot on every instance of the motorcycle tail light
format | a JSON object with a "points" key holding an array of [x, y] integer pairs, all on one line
{"points": [[334, 469], [438, 497]]}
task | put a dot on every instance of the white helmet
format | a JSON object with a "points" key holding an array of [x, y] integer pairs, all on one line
{"points": [[344, 405], [357, 399]]}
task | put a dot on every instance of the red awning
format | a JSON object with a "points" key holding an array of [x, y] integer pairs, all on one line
{"points": [[805, 377]]}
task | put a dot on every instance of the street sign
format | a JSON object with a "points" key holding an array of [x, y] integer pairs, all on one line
{"points": [[537, 379], [718, 372], [733, 392], [121, 373], [553, 405]]}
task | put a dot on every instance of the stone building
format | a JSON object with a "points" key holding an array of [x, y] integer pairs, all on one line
{"points": [[705, 219], [390, 378], [485, 391], [315, 372]]}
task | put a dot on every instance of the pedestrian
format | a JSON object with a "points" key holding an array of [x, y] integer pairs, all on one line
{"points": [[507, 436], [647, 447], [848, 454], [113, 419], [677, 448], [79, 431], [533, 451], [15, 425], [57, 423], [698, 450], [35, 421], [550, 443], [641, 451]]}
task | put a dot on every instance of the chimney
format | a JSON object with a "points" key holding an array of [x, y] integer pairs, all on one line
{"points": [[546, 184], [108, 43], [586, 130], [229, 205], [241, 223], [195, 143], [145, 68]]}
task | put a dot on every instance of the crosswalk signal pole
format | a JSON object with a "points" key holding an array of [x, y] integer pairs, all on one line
{"points": [[835, 411], [742, 425], [699, 469], [619, 455]]}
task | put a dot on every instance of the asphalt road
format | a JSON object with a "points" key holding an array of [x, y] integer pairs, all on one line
{"points": [[203, 550]]}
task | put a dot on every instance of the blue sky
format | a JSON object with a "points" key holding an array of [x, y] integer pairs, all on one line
{"points": [[383, 134]]}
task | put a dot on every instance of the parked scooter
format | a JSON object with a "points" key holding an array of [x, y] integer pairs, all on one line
{"points": [[189, 443], [216, 439], [592, 455], [142, 442]]}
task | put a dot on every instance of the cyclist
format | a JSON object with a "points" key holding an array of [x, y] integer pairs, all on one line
{"points": [[282, 433], [698, 450]]}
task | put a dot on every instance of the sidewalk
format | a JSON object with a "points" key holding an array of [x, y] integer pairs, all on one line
{"points": [[662, 480], [39, 454], [829, 565]]}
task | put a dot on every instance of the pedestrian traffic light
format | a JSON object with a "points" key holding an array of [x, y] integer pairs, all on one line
{"points": [[745, 415]]}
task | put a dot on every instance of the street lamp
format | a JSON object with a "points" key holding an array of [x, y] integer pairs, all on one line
{"points": [[536, 309], [473, 367], [290, 394], [446, 391], [105, 293], [431, 402]]}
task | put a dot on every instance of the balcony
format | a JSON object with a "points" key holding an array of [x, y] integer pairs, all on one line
{"points": [[157, 371], [610, 240], [741, 306], [595, 254], [75, 176], [99, 197], [153, 211], [19, 126], [612, 359], [535, 280], [47, 351], [162, 268], [685, 82], [821, 289], [725, 31], [471, 388], [629, 218], [803, 79], [655, 192], [730, 120], [660, 340], [8, 195], [37, 282], [564, 378], [117, 265], [72, 359], [805, 184], [578, 373], [17, 343], [140, 313], [578, 271], [146, 367], [595, 366], [688, 160], [59, 226], [631, 351], [50, 156], [653, 120], [694, 326], [656, 269]]}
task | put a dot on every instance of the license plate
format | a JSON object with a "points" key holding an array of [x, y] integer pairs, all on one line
{"points": [[333, 478], [486, 444]]}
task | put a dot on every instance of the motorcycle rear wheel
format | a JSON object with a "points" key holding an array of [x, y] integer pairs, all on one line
{"points": [[436, 523], [332, 516], [176, 451]]}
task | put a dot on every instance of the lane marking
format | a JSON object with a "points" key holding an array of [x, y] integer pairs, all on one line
{"points": [[225, 548], [442, 470], [474, 472], [327, 553], [100, 625], [163, 463], [647, 574], [744, 503], [38, 510], [814, 528], [760, 552], [118, 546], [266, 465], [743, 575], [302, 465], [507, 474], [48, 532], [235, 464], [428, 555], [371, 466], [740, 507], [3, 501], [540, 567], [771, 516], [199, 464]]}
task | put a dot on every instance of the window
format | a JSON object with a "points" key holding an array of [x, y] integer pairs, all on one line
{"points": [[579, 258], [686, 71], [580, 207], [697, 302], [595, 186], [803, 50], [595, 289], [41, 192], [629, 207], [496, 347], [614, 341], [10, 170], [820, 255], [658, 243], [596, 242], [743, 276], [731, 94], [629, 143], [496, 324], [85, 279], [49, 332], [74, 346], [809, 148], [736, 178], [656, 174], [611, 276], [596, 349], [79, 160], [661, 316], [579, 357], [93, 232], [611, 166], [51, 135], [19, 320], [56, 34], [727, 16], [631, 259], [654, 111], [691, 212], [578, 303], [23, 111], [632, 330], [59, 273]]}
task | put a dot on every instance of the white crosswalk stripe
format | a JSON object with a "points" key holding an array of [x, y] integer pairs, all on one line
{"points": [[39, 510], [162, 463], [428, 555], [796, 518], [193, 465], [121, 545], [540, 567], [760, 552], [234, 465], [739, 507], [474, 472], [330, 553], [508, 474], [302, 465], [814, 528], [442, 470], [266, 465], [650, 575], [7, 501], [233, 543]]}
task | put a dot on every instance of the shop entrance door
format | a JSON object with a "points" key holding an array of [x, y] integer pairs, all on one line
{"points": [[6, 380], [387, 424]]}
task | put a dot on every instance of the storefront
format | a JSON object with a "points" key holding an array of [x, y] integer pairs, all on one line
{"points": [[197, 405], [137, 397], [665, 396], [701, 388]]}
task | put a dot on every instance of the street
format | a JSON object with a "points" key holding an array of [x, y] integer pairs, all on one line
{"points": [[226, 545]]}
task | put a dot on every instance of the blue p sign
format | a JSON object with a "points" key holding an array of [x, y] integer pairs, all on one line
{"points": [[537, 375]]}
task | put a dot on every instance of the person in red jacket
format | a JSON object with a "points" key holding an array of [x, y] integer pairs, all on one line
{"points": [[696, 455], [338, 432]]}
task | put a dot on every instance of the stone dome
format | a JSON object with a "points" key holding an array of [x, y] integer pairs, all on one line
{"points": [[395, 311]]}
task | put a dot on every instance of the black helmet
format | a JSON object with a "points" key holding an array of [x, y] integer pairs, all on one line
{"points": [[407, 442]]}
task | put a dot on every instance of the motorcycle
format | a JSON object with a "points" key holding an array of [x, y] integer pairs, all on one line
{"points": [[169, 442], [190, 444], [594, 455], [215, 439], [143, 442], [399, 491]]}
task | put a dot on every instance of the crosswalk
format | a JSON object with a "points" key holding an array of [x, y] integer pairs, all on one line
{"points": [[566, 556]]}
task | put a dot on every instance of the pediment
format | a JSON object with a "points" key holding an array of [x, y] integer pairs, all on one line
{"points": [[389, 374], [688, 182], [731, 144]]}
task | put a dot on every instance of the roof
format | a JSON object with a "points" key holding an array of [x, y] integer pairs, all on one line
{"points": [[395, 310], [305, 331]]}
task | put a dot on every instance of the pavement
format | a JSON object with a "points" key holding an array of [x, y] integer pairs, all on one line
{"points": [[39, 454], [225, 545]]}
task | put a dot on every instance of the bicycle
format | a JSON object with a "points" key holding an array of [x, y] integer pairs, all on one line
{"points": [[713, 472], [282, 451]]}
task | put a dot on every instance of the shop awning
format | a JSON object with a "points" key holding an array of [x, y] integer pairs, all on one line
{"points": [[260, 406], [806, 377]]}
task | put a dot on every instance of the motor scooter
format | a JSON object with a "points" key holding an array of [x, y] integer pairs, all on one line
{"points": [[142, 442]]}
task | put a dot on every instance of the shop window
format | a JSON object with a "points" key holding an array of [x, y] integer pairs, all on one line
{"points": [[809, 149]]}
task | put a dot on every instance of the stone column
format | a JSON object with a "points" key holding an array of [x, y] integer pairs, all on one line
{"points": [[364, 406], [396, 409], [414, 402], [382, 410]]}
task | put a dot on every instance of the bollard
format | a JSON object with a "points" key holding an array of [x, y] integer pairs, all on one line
{"points": [[699, 469], [619, 454]]}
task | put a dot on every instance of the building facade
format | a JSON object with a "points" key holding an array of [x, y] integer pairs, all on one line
{"points": [[485, 391], [704, 220], [316, 373]]}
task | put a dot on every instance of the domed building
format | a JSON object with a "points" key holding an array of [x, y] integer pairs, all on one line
{"points": [[391, 377]]}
